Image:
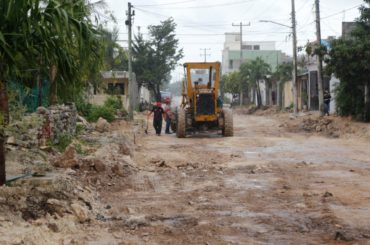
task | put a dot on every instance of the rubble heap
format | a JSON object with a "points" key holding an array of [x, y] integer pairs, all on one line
{"points": [[36, 129]]}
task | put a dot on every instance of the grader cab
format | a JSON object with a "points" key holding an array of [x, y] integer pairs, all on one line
{"points": [[201, 108]]}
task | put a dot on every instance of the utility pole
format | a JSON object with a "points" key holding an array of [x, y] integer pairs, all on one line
{"points": [[319, 58], [131, 93], [241, 38], [294, 73], [241, 52], [205, 53]]}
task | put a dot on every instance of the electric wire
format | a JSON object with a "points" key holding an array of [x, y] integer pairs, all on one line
{"points": [[165, 4], [206, 6]]}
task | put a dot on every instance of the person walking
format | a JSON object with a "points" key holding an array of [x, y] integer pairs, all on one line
{"points": [[167, 111], [157, 117], [327, 98]]}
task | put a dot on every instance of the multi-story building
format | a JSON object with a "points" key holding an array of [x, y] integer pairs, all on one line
{"points": [[234, 54]]}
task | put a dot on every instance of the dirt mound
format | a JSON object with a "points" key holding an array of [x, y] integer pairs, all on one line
{"points": [[34, 198], [258, 111], [330, 126], [320, 125]]}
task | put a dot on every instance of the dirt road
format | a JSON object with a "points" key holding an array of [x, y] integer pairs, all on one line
{"points": [[262, 186], [265, 185]]}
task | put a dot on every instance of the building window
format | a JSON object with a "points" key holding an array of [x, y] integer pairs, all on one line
{"points": [[231, 64], [247, 47], [116, 88], [256, 47]]}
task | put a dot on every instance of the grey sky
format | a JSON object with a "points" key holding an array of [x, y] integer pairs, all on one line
{"points": [[201, 24]]}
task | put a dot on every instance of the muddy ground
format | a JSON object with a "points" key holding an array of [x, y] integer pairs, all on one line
{"points": [[274, 182]]}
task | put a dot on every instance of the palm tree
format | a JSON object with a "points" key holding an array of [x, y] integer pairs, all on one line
{"points": [[43, 35], [254, 71]]}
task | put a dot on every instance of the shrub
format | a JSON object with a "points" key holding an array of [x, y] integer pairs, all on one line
{"points": [[105, 112], [83, 108], [114, 101], [62, 142]]}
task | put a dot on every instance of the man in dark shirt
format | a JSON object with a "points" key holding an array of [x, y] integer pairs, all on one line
{"points": [[327, 98], [157, 118]]}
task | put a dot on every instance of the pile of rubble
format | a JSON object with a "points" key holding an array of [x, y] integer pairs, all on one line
{"points": [[319, 125], [58, 120], [37, 129]]}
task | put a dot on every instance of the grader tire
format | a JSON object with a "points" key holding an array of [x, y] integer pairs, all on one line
{"points": [[228, 129], [181, 123]]}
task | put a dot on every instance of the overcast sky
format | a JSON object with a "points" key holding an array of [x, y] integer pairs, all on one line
{"points": [[202, 23]]}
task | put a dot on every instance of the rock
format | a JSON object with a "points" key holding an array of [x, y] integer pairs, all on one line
{"points": [[54, 227], [80, 212], [41, 110], [57, 206], [99, 166], [318, 129], [327, 194], [17, 240], [125, 149], [46, 148], [82, 120], [91, 164], [118, 170], [68, 159], [136, 221], [102, 125], [342, 236], [70, 172], [11, 140]]}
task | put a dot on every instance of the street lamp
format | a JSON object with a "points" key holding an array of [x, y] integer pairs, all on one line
{"points": [[274, 22], [294, 72]]}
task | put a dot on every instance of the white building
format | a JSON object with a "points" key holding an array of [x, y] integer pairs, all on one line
{"points": [[249, 50]]}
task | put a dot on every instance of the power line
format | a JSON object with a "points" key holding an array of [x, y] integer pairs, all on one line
{"points": [[302, 6], [205, 6], [331, 15], [219, 34], [164, 4], [205, 53], [341, 12]]}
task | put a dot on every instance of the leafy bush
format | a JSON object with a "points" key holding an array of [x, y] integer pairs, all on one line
{"points": [[62, 142], [105, 112], [83, 108], [112, 105], [114, 101]]}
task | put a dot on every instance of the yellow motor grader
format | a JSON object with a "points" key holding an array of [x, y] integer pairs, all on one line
{"points": [[201, 108]]}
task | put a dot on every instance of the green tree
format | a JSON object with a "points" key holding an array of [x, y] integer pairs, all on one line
{"points": [[253, 71], [41, 36], [232, 83], [156, 58], [349, 61], [283, 72]]}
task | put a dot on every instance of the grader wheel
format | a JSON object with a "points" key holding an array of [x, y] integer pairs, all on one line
{"points": [[228, 129], [181, 123]]}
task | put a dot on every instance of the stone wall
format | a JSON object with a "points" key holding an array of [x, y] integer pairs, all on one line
{"points": [[47, 124], [58, 120]]}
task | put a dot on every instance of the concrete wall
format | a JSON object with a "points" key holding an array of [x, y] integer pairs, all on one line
{"points": [[145, 95], [287, 94], [98, 99]]}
